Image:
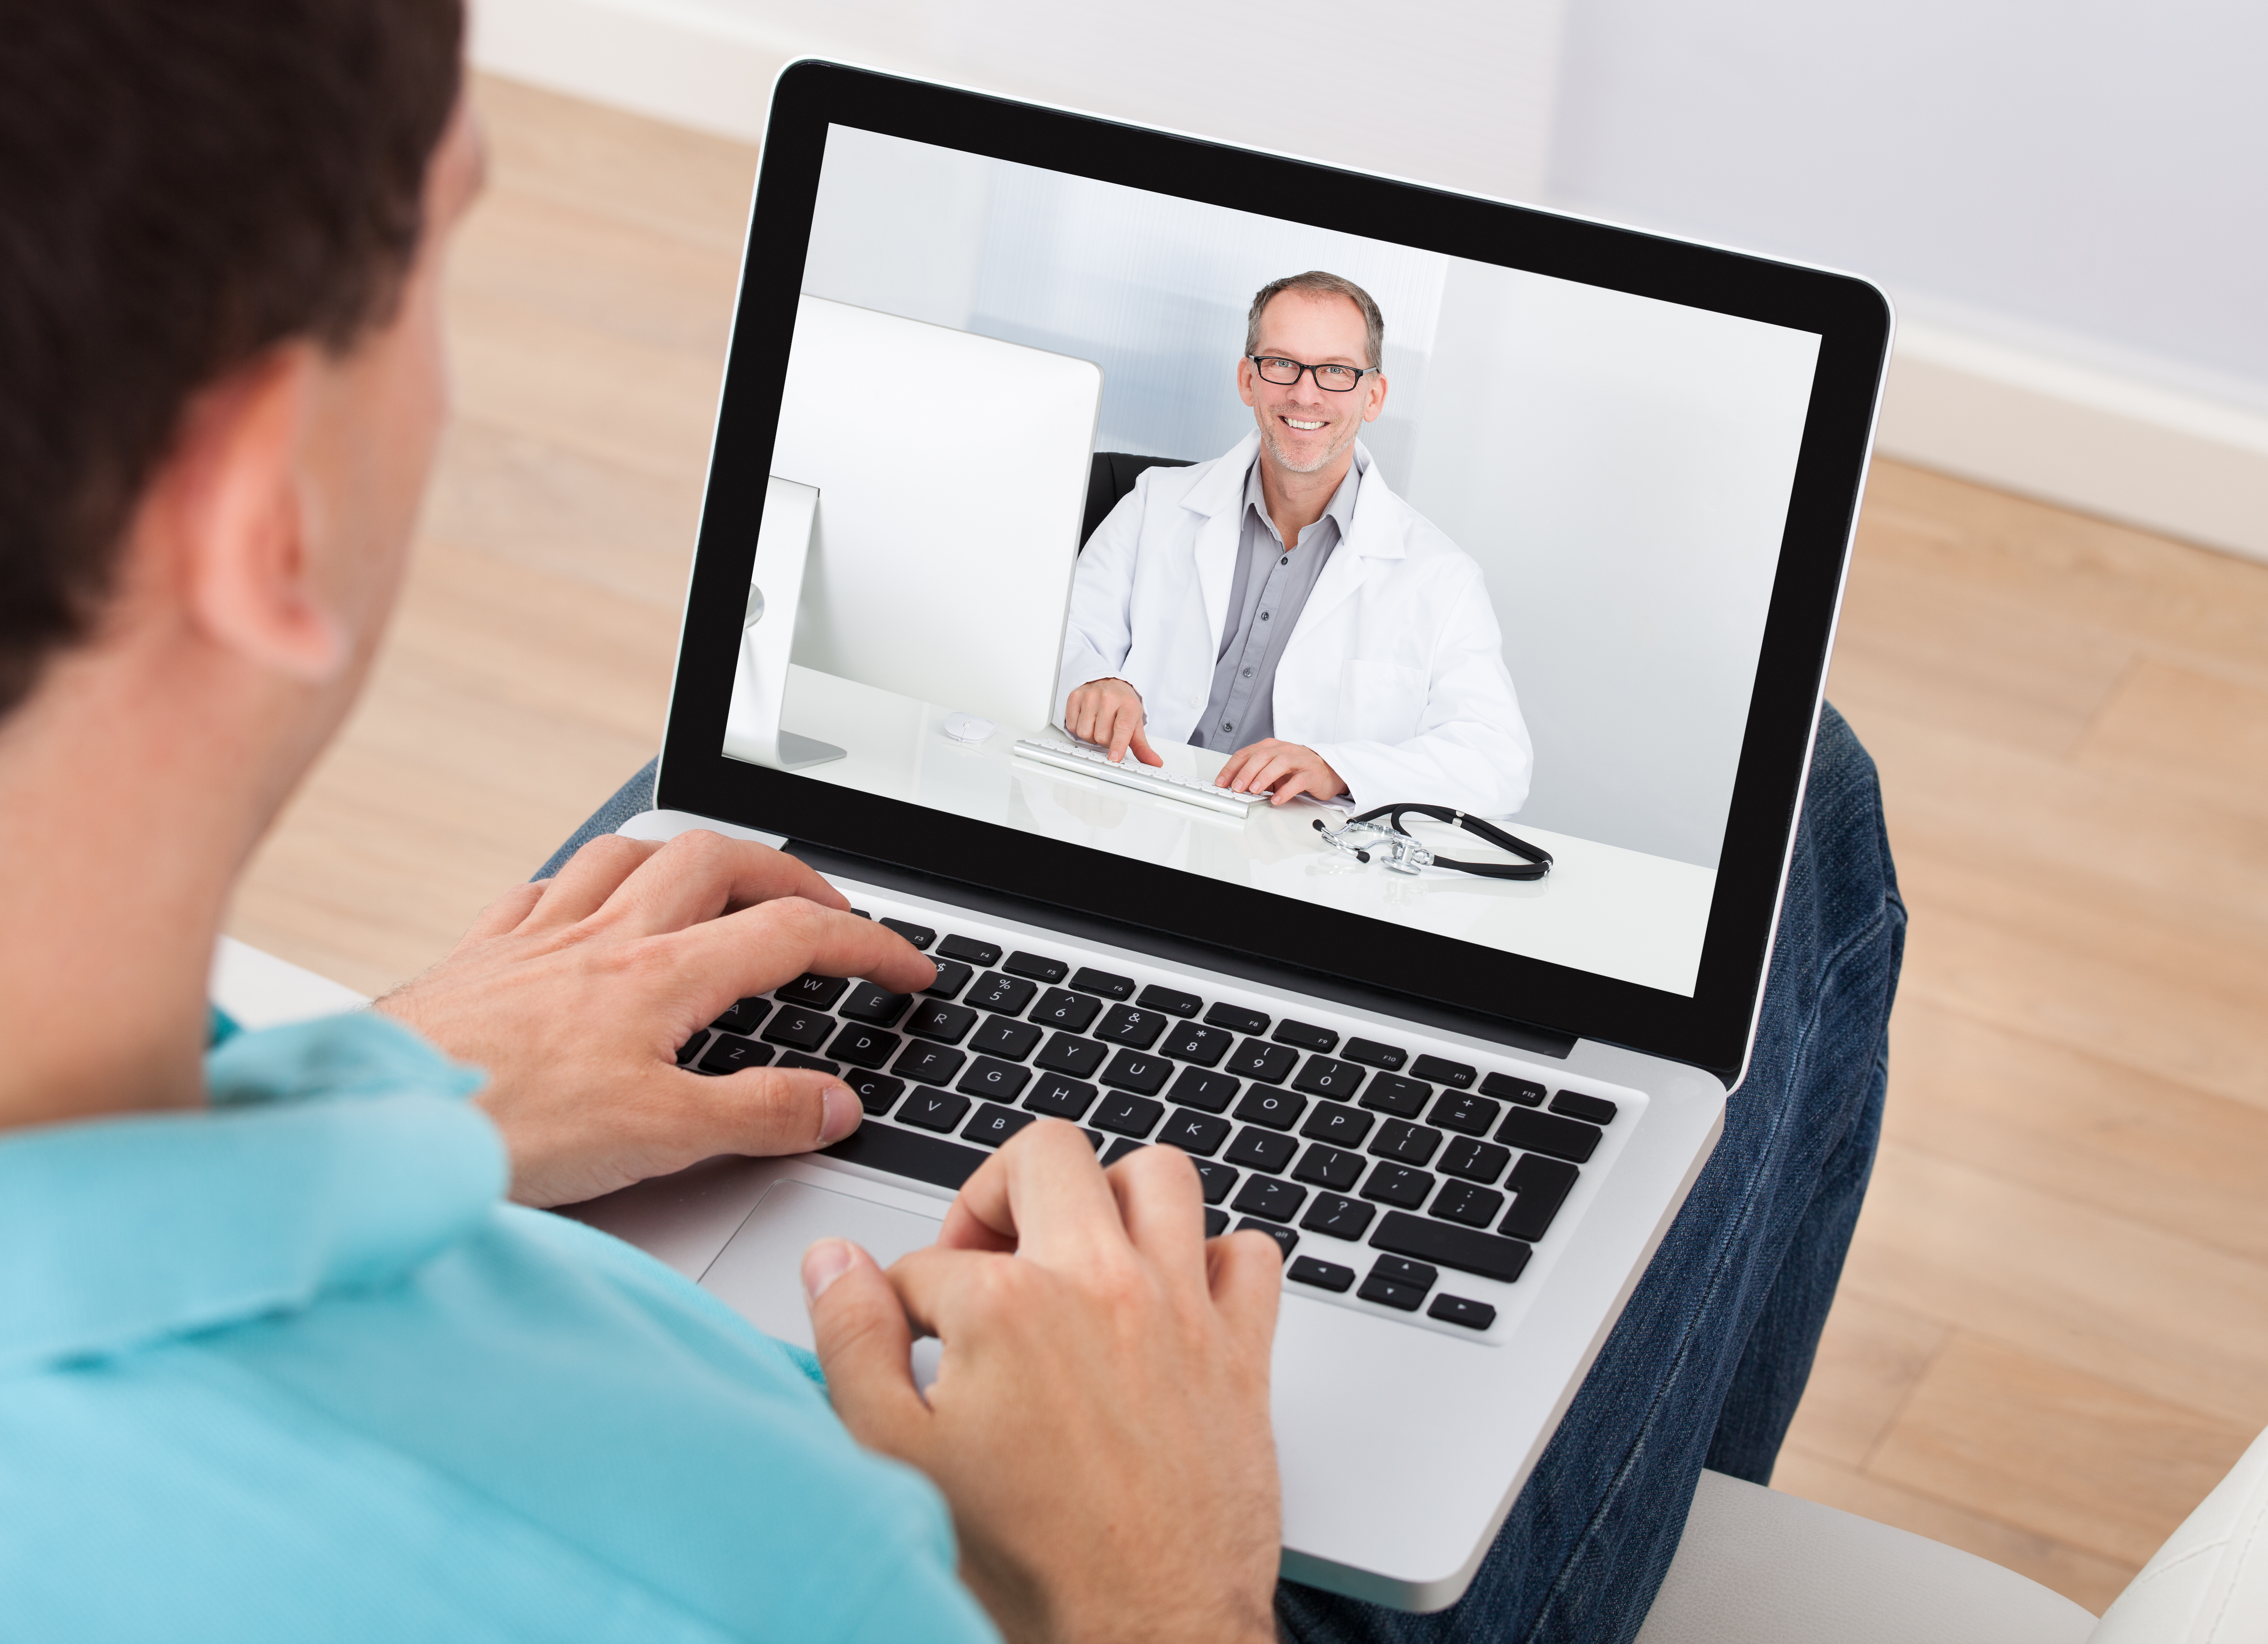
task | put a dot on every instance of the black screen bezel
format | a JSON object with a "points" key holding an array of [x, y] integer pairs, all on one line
{"points": [[1852, 318]]}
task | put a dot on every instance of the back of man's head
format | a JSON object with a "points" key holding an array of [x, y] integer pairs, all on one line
{"points": [[184, 185]]}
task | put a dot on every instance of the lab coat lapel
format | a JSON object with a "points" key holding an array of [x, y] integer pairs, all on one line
{"points": [[1219, 497], [1377, 533]]}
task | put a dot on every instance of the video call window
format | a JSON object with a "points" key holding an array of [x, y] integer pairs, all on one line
{"points": [[1022, 452]]}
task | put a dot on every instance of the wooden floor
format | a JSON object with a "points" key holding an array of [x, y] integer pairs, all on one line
{"points": [[2053, 1335]]}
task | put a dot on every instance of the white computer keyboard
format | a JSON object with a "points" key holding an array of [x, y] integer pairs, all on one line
{"points": [[1092, 762]]}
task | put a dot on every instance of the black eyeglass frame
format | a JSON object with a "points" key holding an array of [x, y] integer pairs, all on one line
{"points": [[1311, 371]]}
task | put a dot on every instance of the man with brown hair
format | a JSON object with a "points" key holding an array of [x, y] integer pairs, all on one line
{"points": [[1282, 603]]}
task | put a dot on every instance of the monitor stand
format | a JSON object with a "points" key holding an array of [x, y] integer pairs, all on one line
{"points": [[768, 635]]}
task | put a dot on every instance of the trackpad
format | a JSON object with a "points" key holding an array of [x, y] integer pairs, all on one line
{"points": [[759, 1274]]}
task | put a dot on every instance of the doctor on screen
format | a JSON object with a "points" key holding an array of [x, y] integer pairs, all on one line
{"points": [[1280, 602]]}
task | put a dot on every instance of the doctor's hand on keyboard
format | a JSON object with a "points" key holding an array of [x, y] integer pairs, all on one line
{"points": [[1108, 712], [1099, 1423]]}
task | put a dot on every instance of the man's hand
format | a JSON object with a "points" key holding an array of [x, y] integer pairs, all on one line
{"points": [[1098, 1421], [575, 993], [1108, 713], [1283, 769]]}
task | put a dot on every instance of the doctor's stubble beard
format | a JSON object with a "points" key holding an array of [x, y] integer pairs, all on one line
{"points": [[1282, 458]]}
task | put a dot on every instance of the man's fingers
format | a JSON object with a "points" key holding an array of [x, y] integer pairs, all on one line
{"points": [[1232, 770], [1246, 1274], [503, 915], [1125, 726], [699, 874], [765, 1113], [1143, 751], [1045, 1192], [592, 874], [858, 1327], [1161, 1203], [756, 949]]}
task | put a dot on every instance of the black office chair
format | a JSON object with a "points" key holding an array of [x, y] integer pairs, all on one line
{"points": [[1112, 476]]}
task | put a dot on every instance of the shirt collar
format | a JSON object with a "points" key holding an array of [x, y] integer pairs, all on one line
{"points": [[1339, 510], [335, 1153]]}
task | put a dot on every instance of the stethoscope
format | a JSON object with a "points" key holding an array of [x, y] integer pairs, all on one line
{"points": [[1364, 837]]}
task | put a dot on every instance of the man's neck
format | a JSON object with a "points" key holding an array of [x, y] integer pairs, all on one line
{"points": [[1296, 501], [121, 831]]}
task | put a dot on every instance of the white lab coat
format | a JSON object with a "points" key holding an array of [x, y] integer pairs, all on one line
{"points": [[1395, 673]]}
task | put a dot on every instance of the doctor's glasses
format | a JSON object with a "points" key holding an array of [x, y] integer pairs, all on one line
{"points": [[1284, 372]]}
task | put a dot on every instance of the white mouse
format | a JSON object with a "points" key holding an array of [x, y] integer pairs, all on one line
{"points": [[966, 727]]}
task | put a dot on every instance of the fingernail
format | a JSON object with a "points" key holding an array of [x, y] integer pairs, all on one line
{"points": [[823, 1264], [841, 1116]]}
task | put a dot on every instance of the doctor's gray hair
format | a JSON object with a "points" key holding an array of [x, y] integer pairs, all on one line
{"points": [[1323, 284]]}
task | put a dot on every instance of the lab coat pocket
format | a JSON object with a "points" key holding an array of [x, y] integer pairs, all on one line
{"points": [[1380, 702]]}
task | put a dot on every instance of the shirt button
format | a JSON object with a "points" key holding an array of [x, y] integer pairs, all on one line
{"points": [[1285, 560], [1263, 617], [1247, 673], [1225, 725]]}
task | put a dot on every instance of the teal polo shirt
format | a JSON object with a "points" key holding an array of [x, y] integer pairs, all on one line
{"points": [[289, 1368]]}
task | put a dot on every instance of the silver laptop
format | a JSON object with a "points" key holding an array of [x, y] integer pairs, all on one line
{"points": [[985, 434]]}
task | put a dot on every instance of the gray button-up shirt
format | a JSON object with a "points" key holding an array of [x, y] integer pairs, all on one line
{"points": [[1272, 589]]}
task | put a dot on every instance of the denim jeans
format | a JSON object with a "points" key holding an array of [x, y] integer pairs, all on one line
{"points": [[1710, 1358]]}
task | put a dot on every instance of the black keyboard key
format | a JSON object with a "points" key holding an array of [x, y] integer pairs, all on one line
{"points": [[1456, 1310], [1468, 1204], [1008, 995], [799, 1058], [929, 1064], [947, 1024], [1341, 1127], [1284, 1236], [1476, 1160], [1120, 1149], [1304, 1036], [860, 913], [1268, 1196], [1467, 1115], [1371, 1053], [862, 1046], [1339, 1216], [1213, 1092], [1189, 1042], [1278, 1109], [1165, 998], [1123, 1024], [1215, 1179], [1216, 1223], [1198, 1133], [877, 1093], [969, 951], [1066, 1053], [920, 936], [1405, 1143], [817, 992], [994, 1124], [875, 1005], [1004, 1035], [1391, 1183], [1087, 980], [1406, 1273], [996, 1081], [1036, 966], [909, 1153], [1059, 1007], [1447, 1246], [932, 1109], [1392, 1292], [1460, 1075], [1128, 1116], [1323, 1077], [746, 1016], [1526, 1092], [1236, 1019], [732, 1053], [1061, 1098], [1095, 1139], [1324, 1165], [1539, 1186], [1260, 1150], [1591, 1109], [951, 978], [1531, 1132], [1404, 1098], [1306, 1270], [691, 1047], [1131, 1070], [1268, 1063], [798, 1028]]}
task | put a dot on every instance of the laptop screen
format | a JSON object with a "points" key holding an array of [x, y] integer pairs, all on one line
{"points": [[1066, 467]]}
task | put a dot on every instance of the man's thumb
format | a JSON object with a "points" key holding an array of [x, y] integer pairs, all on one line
{"points": [[858, 1328]]}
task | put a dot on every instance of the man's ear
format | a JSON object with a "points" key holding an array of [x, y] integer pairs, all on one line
{"points": [[1377, 398], [234, 507]]}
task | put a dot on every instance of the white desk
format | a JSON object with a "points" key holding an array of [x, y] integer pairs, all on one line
{"points": [[1603, 908]]}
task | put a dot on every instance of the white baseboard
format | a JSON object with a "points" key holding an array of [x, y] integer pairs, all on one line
{"points": [[2019, 415]]}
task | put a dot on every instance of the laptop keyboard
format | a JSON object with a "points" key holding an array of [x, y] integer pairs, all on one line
{"points": [[1404, 1182]]}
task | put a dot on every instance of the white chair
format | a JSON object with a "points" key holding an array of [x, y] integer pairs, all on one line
{"points": [[1757, 1567]]}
